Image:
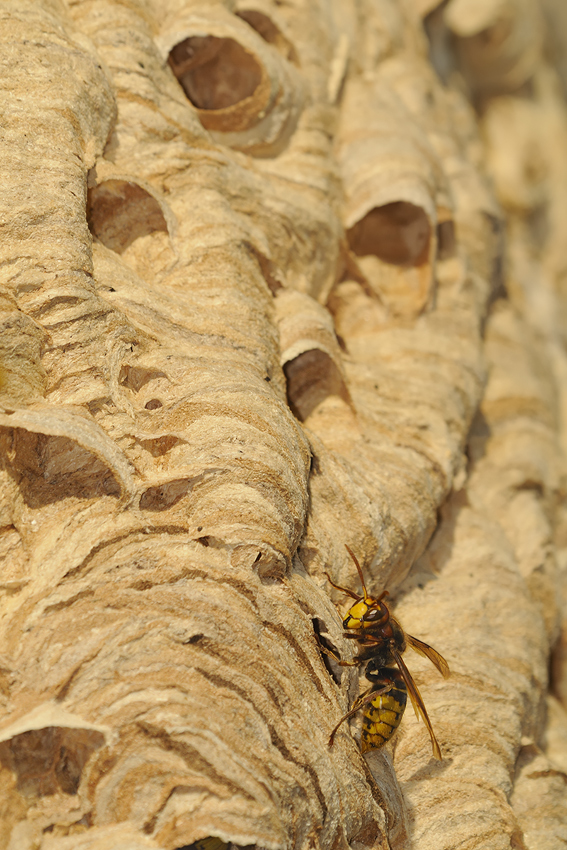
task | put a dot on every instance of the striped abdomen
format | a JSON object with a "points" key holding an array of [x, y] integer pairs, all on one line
{"points": [[382, 716]]}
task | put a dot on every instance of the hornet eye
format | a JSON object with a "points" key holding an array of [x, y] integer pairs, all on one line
{"points": [[373, 614]]}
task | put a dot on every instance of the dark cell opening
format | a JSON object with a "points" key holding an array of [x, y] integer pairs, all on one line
{"points": [[327, 649], [446, 240], [165, 496], [215, 73], [397, 233], [49, 760], [119, 212], [160, 446], [311, 378], [51, 468], [135, 377], [267, 29]]}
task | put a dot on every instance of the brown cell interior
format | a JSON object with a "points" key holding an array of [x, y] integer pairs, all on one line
{"points": [[119, 212], [397, 233], [46, 761], [215, 73], [311, 378], [165, 496], [51, 468]]}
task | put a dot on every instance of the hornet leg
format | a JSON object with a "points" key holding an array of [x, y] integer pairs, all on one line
{"points": [[363, 699]]}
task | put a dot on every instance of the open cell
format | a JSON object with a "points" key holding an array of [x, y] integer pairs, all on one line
{"points": [[396, 233], [119, 212], [215, 73]]}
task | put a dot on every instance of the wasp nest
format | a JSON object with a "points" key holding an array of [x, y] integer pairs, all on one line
{"points": [[277, 278]]}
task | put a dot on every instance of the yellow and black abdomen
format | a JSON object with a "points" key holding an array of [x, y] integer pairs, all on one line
{"points": [[383, 714]]}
